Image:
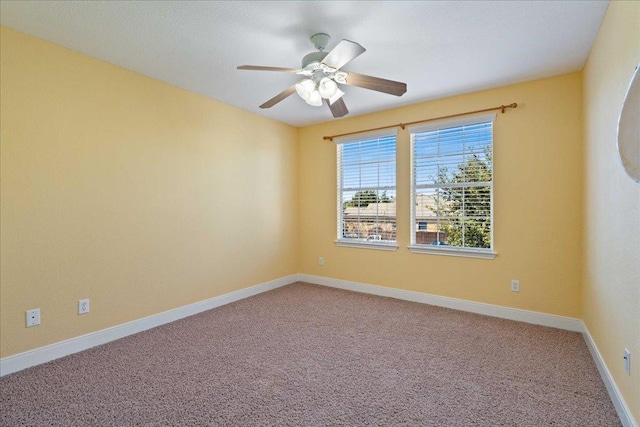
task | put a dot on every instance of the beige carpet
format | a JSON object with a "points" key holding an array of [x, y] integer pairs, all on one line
{"points": [[315, 356]]}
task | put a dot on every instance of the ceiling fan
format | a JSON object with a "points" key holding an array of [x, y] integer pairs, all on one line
{"points": [[323, 74]]}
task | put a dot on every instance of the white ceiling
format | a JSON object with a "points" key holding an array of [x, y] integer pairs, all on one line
{"points": [[438, 48]]}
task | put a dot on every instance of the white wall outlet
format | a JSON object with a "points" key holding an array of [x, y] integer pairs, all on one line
{"points": [[515, 286], [83, 306], [321, 261], [33, 317], [627, 361]]}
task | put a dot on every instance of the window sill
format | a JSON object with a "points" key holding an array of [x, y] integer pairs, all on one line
{"points": [[459, 252], [393, 246]]}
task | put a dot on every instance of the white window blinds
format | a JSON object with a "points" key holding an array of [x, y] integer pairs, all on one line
{"points": [[452, 184], [367, 188]]}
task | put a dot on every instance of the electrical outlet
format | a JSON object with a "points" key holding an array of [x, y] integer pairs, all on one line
{"points": [[515, 286], [83, 306], [33, 317], [321, 261], [627, 361]]}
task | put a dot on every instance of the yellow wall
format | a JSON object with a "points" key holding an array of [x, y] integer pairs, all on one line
{"points": [[133, 193], [144, 197], [611, 287], [537, 199]]}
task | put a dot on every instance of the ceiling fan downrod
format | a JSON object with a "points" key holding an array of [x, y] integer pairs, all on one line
{"points": [[312, 61]]}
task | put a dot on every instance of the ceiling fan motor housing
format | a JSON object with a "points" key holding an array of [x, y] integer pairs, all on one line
{"points": [[311, 62]]}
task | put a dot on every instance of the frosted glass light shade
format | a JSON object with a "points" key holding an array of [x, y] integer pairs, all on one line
{"points": [[327, 88], [315, 99], [305, 88]]}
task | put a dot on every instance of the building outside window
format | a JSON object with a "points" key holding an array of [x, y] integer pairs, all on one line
{"points": [[367, 189]]}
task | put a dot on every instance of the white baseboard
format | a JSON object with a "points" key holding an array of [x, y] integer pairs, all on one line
{"points": [[551, 320], [618, 401], [47, 353]]}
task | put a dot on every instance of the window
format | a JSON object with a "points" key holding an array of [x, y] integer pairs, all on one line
{"points": [[452, 187], [367, 191]]}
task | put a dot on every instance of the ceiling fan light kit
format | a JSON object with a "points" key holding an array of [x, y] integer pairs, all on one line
{"points": [[322, 72], [312, 90]]}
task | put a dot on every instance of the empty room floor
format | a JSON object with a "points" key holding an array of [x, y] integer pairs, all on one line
{"points": [[310, 355]]}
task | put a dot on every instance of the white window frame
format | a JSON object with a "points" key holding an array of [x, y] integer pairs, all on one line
{"points": [[356, 243], [488, 253]]}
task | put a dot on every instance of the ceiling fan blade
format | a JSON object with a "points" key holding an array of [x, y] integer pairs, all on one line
{"points": [[375, 83], [338, 108], [279, 97], [259, 68], [345, 52]]}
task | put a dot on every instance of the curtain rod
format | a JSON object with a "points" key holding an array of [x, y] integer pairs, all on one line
{"points": [[403, 125]]}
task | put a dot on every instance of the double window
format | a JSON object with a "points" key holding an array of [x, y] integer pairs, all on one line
{"points": [[367, 190], [451, 188]]}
